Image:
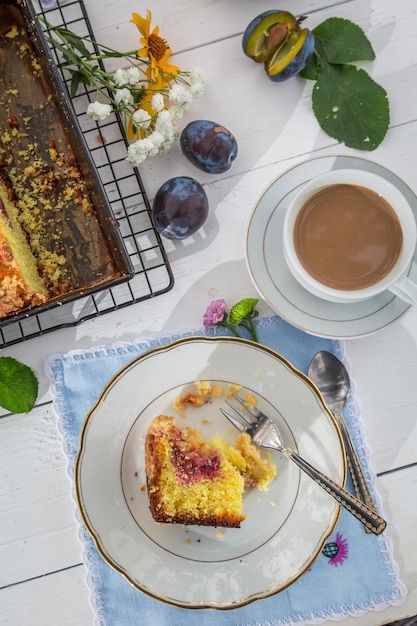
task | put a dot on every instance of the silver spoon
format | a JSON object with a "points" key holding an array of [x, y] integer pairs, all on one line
{"points": [[330, 376]]}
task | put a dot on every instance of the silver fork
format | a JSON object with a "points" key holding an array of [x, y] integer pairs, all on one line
{"points": [[265, 433]]}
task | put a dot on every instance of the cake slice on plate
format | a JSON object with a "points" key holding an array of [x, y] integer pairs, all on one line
{"points": [[190, 481]]}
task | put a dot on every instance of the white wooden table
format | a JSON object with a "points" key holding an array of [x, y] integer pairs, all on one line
{"points": [[42, 577]]}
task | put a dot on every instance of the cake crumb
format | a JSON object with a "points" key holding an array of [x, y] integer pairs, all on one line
{"points": [[192, 399], [250, 399], [12, 33], [233, 389], [203, 387], [204, 391]]}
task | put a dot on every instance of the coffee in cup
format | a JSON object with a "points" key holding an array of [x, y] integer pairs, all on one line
{"points": [[349, 235]]}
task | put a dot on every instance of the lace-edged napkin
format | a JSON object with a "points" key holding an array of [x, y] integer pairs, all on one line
{"points": [[354, 573]]}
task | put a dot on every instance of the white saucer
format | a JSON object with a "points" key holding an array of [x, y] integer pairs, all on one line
{"points": [[274, 281]]}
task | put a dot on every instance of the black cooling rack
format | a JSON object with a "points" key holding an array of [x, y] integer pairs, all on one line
{"points": [[127, 196]]}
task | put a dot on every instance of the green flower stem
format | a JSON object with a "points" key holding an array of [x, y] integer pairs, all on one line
{"points": [[248, 325], [229, 327], [129, 56], [252, 329], [77, 55], [109, 52]]}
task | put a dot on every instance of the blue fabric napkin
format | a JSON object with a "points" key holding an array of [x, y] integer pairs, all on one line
{"points": [[355, 571]]}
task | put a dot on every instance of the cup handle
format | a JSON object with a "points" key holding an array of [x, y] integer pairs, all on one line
{"points": [[405, 289]]}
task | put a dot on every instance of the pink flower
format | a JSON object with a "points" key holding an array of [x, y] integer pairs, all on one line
{"points": [[214, 313]]}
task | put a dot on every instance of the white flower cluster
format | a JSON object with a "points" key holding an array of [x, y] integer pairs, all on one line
{"points": [[170, 107], [98, 110], [130, 76], [166, 129]]}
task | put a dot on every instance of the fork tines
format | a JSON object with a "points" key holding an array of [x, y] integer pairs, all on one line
{"points": [[249, 415], [232, 419], [249, 407]]}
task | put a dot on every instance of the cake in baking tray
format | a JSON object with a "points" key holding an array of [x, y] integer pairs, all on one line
{"points": [[57, 234], [190, 481], [20, 282]]}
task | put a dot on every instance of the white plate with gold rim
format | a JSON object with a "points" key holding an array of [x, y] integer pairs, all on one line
{"points": [[274, 281], [192, 566]]}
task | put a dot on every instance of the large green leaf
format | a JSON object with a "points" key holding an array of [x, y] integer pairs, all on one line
{"points": [[350, 106], [338, 40], [18, 386]]}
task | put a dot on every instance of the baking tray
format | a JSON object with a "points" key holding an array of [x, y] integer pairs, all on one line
{"points": [[127, 195], [38, 125]]}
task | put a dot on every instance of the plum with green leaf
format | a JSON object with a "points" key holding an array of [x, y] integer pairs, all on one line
{"points": [[347, 102], [277, 39]]}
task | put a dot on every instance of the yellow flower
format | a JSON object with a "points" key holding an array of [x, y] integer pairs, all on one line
{"points": [[155, 49]]}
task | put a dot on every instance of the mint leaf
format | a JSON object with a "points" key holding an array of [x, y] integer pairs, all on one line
{"points": [[338, 40], [18, 386], [242, 310], [350, 106]]}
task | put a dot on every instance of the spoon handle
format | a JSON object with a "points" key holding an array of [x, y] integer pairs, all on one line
{"points": [[359, 481]]}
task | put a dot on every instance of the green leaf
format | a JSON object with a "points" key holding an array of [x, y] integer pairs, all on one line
{"points": [[18, 386], [242, 310], [350, 106], [311, 70], [138, 95], [338, 40], [79, 77], [73, 41]]}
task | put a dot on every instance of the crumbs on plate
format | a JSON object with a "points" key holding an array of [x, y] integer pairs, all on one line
{"points": [[204, 392]]}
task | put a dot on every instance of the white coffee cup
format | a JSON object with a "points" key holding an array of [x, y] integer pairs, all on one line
{"points": [[304, 270]]}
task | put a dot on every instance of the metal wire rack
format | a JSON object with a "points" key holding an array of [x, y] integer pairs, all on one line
{"points": [[127, 196]]}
